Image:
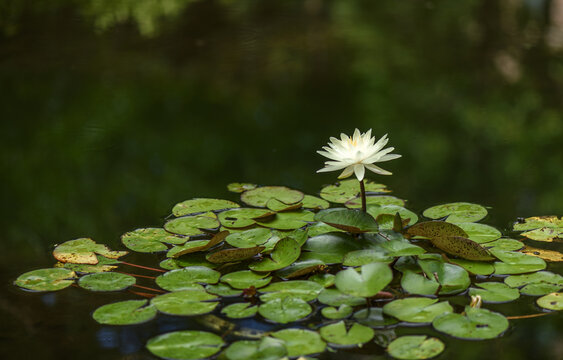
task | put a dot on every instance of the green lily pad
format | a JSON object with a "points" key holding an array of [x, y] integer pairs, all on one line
{"points": [[458, 212], [240, 187], [284, 254], [196, 259], [127, 312], [331, 248], [285, 310], [315, 203], [537, 222], [399, 247], [546, 234], [553, 301], [300, 289], [354, 221], [348, 189], [366, 256], [222, 290], [516, 263], [242, 218], [335, 297], [233, 255], [414, 283], [185, 345], [333, 313], [106, 281], [505, 244], [245, 278], [240, 310], [46, 279], [377, 200], [480, 233], [374, 318], [325, 280], [279, 206], [104, 264], [452, 278], [266, 348], [301, 342], [337, 334], [477, 323], [475, 267], [83, 251], [289, 220], [373, 278], [417, 309], [494, 292], [197, 245], [249, 238], [259, 197], [200, 205], [462, 247], [536, 284], [434, 229], [192, 225], [405, 214], [300, 268], [412, 347], [182, 279], [321, 228], [150, 240], [185, 302]]}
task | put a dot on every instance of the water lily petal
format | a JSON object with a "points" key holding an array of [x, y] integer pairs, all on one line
{"points": [[376, 169], [389, 157], [347, 172], [359, 170]]}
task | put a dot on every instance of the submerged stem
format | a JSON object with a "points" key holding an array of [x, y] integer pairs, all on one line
{"points": [[363, 195]]}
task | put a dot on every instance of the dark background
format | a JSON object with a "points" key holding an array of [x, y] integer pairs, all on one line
{"points": [[113, 110]]}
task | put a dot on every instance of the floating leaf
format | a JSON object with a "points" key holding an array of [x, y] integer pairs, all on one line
{"points": [[348, 189], [200, 205], [266, 348], [539, 283], [399, 247], [46, 279], [279, 206], [480, 233], [106, 281], [245, 278], [331, 248], [240, 310], [475, 267], [477, 323], [185, 345], [240, 187], [182, 279], [537, 222], [335, 297], [462, 247], [233, 255], [197, 259], [494, 292], [127, 312], [544, 234], [553, 301], [185, 302], [325, 280], [343, 311], [104, 264], [374, 317], [301, 289], [285, 252], [414, 283], [223, 290], [249, 238], [505, 244], [516, 262], [457, 212], [285, 310], [315, 203], [197, 245], [290, 220], [320, 228], [405, 214], [414, 347], [354, 221], [259, 197], [366, 256], [191, 225], [377, 200], [300, 268], [300, 342], [241, 218], [336, 334], [549, 255], [452, 278], [150, 240], [373, 278], [83, 251], [434, 229], [417, 309]]}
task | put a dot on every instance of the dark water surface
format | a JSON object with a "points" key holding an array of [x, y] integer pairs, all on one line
{"points": [[112, 111]]}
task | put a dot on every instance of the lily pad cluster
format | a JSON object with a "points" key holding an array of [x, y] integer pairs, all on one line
{"points": [[317, 272]]}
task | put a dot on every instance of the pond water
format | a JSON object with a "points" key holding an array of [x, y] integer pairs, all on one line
{"points": [[113, 111]]}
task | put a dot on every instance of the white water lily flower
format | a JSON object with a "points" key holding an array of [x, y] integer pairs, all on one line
{"points": [[355, 154]]}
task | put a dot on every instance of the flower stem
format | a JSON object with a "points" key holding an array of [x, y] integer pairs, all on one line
{"points": [[363, 194]]}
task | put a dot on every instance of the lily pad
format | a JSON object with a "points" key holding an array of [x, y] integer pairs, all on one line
{"points": [[300, 268], [241, 187], [289, 220], [348, 189], [300, 342], [266, 348], [197, 245], [185, 345], [335, 297], [331, 248], [475, 267], [192, 225], [223, 290], [182, 279], [200, 205], [366, 256], [321, 228], [333, 313], [452, 278], [323, 279], [374, 318], [477, 323], [83, 251], [285, 310], [537, 222], [405, 214], [462, 247], [544, 234], [233, 255], [337, 334], [505, 244], [242, 218], [377, 200], [457, 212], [300, 289], [150, 240], [279, 206], [480, 233], [494, 292], [548, 255], [245, 278], [372, 279], [354, 221], [414, 283], [249, 238], [516, 263], [46, 279], [196, 259], [240, 310], [417, 309], [106, 281], [259, 197], [127, 312], [315, 203], [284, 254], [536, 284], [104, 264], [553, 301], [185, 302], [412, 347], [434, 229]]}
